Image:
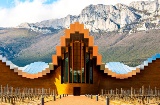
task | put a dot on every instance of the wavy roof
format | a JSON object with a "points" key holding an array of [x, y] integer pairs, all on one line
{"points": [[35, 67], [118, 68], [33, 70], [114, 69], [149, 60], [121, 71]]}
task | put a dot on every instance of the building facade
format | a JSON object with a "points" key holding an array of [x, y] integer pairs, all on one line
{"points": [[76, 69]]}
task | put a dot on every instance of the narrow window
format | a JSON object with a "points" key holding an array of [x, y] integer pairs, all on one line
{"points": [[66, 67], [91, 75], [62, 71], [87, 68], [70, 65]]}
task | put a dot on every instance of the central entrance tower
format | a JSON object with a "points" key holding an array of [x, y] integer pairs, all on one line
{"points": [[77, 62]]}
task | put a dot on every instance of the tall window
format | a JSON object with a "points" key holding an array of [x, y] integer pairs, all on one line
{"points": [[66, 67], [87, 67], [77, 66], [64, 71], [70, 64]]}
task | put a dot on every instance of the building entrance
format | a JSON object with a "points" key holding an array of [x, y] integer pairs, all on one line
{"points": [[76, 91]]}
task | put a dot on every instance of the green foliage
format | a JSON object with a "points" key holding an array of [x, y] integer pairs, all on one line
{"points": [[24, 46]]}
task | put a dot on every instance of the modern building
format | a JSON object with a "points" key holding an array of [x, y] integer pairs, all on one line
{"points": [[76, 68]]}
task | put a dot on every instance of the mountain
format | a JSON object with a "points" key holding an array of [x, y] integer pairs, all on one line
{"points": [[139, 15], [128, 34], [24, 46]]}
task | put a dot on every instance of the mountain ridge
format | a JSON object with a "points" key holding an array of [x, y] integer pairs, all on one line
{"points": [[106, 18]]}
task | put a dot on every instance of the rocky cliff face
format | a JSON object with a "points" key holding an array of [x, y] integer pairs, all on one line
{"points": [[150, 6], [106, 18]]}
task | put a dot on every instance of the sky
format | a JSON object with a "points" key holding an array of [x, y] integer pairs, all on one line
{"points": [[15, 12]]}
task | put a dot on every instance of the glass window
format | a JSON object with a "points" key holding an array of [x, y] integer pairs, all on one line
{"points": [[91, 75], [77, 65], [66, 69], [70, 76], [62, 71], [87, 67]]}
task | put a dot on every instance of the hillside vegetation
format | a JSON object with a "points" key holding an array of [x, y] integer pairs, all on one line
{"points": [[23, 46]]}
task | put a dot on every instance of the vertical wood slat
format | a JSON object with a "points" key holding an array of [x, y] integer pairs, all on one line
{"points": [[67, 50], [68, 63], [85, 63], [72, 61], [61, 64], [93, 62], [77, 63], [89, 67], [64, 67], [81, 59]]}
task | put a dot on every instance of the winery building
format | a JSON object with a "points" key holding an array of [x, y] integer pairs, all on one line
{"points": [[77, 68]]}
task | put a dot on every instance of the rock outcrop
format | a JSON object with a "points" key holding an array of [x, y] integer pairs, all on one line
{"points": [[105, 17]]}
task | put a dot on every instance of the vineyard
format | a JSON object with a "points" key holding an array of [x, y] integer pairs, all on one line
{"points": [[26, 96], [133, 96], [39, 96]]}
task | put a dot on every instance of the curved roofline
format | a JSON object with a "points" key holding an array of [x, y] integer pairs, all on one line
{"points": [[25, 74], [32, 76], [122, 76], [134, 71], [73, 29], [106, 69]]}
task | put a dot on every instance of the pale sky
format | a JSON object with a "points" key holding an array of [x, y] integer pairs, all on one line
{"points": [[15, 12]]}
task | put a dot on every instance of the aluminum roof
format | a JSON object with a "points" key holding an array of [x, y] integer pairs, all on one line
{"points": [[35, 67], [118, 67], [149, 60]]}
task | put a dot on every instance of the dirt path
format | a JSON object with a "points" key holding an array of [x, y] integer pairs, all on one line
{"points": [[75, 100]]}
